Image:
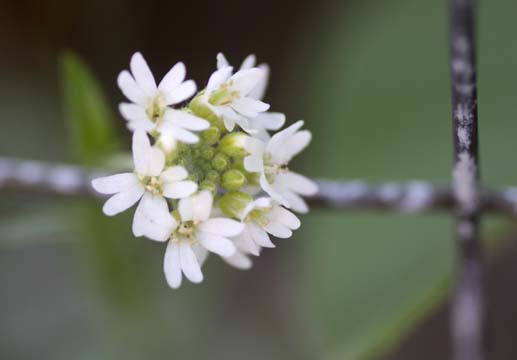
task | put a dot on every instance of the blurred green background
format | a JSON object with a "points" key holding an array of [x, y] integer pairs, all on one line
{"points": [[371, 80]]}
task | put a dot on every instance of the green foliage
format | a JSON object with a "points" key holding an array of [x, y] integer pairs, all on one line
{"points": [[88, 116], [113, 257]]}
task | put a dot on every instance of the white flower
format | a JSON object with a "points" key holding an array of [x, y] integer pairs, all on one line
{"points": [[229, 96], [192, 237], [249, 62], [150, 108], [261, 218], [265, 120], [270, 160], [149, 181]]}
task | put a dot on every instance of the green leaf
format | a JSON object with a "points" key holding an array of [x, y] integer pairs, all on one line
{"points": [[113, 257], [88, 116], [36, 225], [376, 95]]}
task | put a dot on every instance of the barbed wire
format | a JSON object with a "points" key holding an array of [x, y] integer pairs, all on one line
{"points": [[405, 197]]}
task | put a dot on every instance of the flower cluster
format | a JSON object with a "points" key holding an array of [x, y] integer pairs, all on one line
{"points": [[208, 176]]}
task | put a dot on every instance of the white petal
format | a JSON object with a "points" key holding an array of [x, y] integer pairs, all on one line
{"points": [[263, 202], [295, 202], [172, 265], [174, 173], [132, 112], [258, 131], [292, 146], [167, 142], [230, 117], [272, 191], [278, 230], [239, 261], [278, 140], [221, 61], [185, 209], [196, 207], [260, 89], [244, 242], [260, 236], [156, 162], [186, 120], [141, 125], [245, 125], [149, 161], [141, 148], [202, 205], [178, 133], [270, 120], [142, 226], [189, 264], [285, 217], [200, 252], [253, 163], [249, 107], [130, 89], [216, 244], [179, 190], [181, 92], [248, 62], [114, 183], [218, 77], [143, 75], [245, 80], [254, 146], [298, 183], [229, 123], [222, 226], [173, 78], [153, 219], [123, 200]]}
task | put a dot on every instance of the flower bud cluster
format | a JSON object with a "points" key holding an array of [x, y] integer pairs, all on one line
{"points": [[208, 176]]}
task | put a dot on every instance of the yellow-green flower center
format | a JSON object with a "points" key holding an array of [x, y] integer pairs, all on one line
{"points": [[259, 216], [224, 95], [271, 170], [186, 230], [151, 184], [156, 108]]}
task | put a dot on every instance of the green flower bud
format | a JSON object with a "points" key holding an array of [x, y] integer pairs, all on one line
{"points": [[195, 175], [211, 135], [233, 203], [181, 161], [196, 151], [253, 178], [213, 176], [233, 179], [207, 152], [220, 162], [206, 167], [233, 144], [208, 185], [199, 109]]}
